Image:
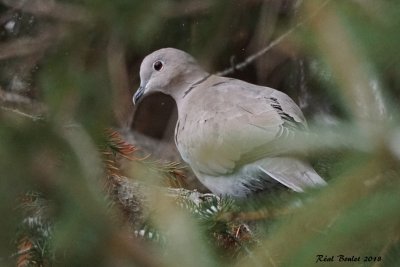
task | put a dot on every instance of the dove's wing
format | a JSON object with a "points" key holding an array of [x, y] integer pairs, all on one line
{"points": [[226, 119]]}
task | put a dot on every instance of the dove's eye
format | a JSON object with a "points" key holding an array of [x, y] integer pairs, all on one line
{"points": [[158, 65]]}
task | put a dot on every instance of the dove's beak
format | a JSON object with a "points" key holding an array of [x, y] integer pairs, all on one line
{"points": [[138, 95]]}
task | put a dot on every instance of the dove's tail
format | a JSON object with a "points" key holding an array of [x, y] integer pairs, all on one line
{"points": [[293, 173]]}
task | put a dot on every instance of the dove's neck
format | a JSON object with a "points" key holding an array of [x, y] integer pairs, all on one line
{"points": [[189, 86]]}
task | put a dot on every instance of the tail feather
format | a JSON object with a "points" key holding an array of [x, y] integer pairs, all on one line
{"points": [[293, 173]]}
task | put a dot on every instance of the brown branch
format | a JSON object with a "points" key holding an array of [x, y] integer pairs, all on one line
{"points": [[25, 46], [271, 45]]}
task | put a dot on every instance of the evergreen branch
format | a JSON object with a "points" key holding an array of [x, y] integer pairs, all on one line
{"points": [[172, 171], [25, 255], [231, 236], [33, 240], [150, 233], [115, 146]]}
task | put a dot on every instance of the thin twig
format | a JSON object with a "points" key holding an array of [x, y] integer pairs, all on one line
{"points": [[22, 114], [274, 43]]}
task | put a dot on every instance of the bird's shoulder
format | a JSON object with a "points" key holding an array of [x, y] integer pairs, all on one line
{"points": [[221, 97]]}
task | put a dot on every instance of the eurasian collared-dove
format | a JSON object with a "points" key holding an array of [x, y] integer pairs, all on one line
{"points": [[222, 122]]}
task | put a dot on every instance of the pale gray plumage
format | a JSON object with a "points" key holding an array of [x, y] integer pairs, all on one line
{"points": [[223, 121]]}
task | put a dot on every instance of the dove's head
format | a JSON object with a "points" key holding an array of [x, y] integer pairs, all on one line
{"points": [[168, 70]]}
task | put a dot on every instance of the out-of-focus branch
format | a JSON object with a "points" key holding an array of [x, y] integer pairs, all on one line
{"points": [[385, 250], [122, 106], [21, 105], [52, 9], [187, 8], [13, 98], [26, 46], [360, 88], [271, 45], [196, 7]]}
